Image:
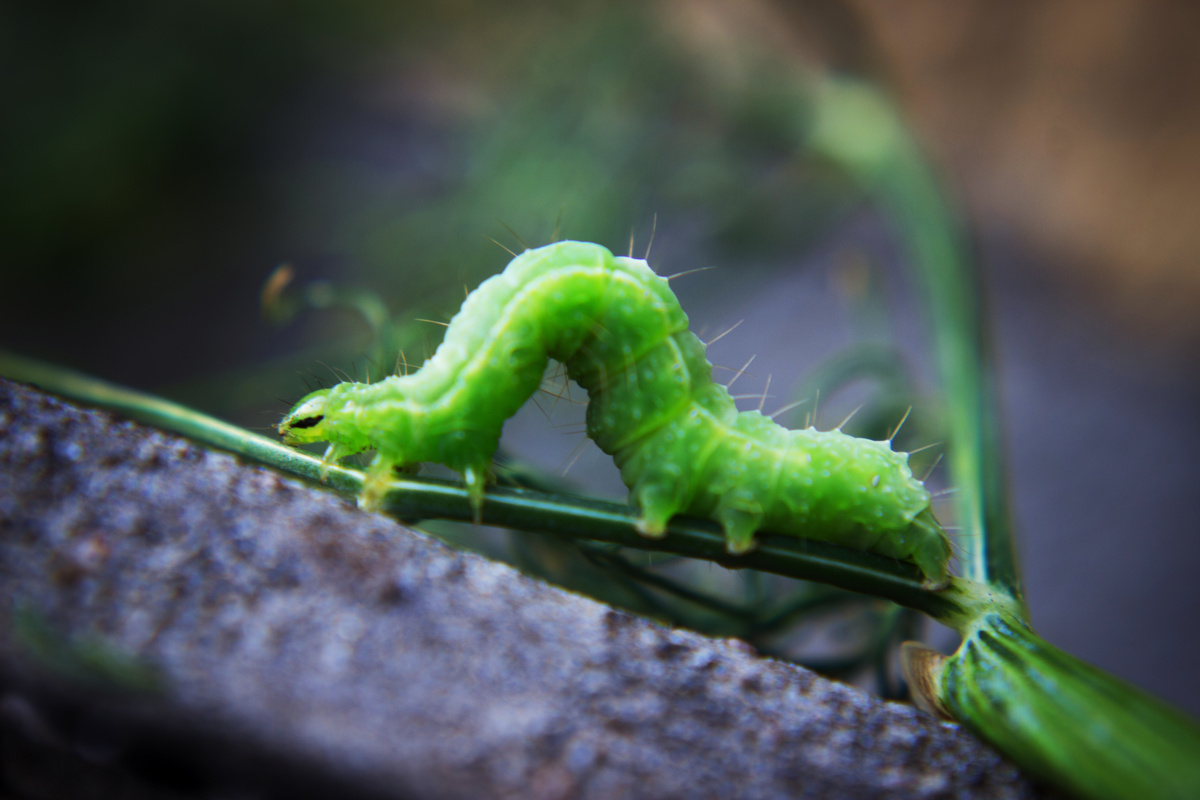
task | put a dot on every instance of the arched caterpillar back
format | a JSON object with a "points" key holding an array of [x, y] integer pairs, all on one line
{"points": [[677, 437]]}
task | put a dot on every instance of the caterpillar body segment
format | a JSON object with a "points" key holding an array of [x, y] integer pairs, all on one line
{"points": [[677, 437]]}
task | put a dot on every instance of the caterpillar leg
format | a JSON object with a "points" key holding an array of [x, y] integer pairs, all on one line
{"points": [[476, 480], [657, 502], [740, 514], [333, 454], [932, 551], [375, 483]]}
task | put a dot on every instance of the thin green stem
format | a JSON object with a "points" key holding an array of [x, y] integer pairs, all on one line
{"points": [[572, 517], [857, 129], [959, 323]]}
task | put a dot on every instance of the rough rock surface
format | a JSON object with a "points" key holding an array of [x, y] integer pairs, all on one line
{"points": [[306, 649]]}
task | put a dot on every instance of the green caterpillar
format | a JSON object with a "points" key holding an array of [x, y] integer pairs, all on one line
{"points": [[677, 437]]}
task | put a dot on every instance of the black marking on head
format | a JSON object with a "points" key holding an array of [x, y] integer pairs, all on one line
{"points": [[307, 422]]}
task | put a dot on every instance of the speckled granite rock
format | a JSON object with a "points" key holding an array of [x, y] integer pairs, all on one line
{"points": [[305, 648]]}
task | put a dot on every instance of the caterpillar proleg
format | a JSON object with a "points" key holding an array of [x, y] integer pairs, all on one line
{"points": [[677, 437]]}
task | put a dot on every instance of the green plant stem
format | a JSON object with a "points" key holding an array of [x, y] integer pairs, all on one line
{"points": [[1067, 721], [1073, 724], [573, 517], [964, 356], [856, 128]]}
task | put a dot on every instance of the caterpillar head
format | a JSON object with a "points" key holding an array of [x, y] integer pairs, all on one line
{"points": [[306, 422]]}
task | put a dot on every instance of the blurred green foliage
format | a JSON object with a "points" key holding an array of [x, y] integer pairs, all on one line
{"points": [[116, 107], [160, 161]]}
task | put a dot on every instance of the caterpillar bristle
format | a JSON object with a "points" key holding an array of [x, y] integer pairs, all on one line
{"points": [[956, 548], [763, 400], [534, 400], [502, 247], [688, 272], [932, 466], [579, 450], [653, 230], [567, 392], [725, 367], [899, 425], [726, 332], [849, 417], [564, 397], [740, 372], [787, 408], [555, 396], [374, 367], [515, 235], [340, 374]]}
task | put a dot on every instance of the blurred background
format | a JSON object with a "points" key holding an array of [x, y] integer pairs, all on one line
{"points": [[158, 163]]}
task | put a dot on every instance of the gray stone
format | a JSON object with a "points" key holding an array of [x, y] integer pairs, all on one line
{"points": [[268, 639]]}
